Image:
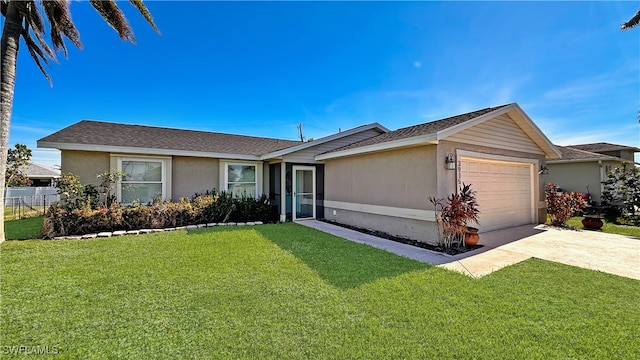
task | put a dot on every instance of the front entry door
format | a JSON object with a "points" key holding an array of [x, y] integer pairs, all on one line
{"points": [[304, 192]]}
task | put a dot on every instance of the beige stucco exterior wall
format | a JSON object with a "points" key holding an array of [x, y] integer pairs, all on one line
{"points": [[191, 175], [85, 164], [398, 178], [386, 191], [577, 176]]}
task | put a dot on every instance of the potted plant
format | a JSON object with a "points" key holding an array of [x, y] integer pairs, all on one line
{"points": [[454, 214], [592, 217]]}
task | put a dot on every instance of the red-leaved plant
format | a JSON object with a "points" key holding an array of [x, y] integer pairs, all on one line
{"points": [[454, 213], [561, 206]]}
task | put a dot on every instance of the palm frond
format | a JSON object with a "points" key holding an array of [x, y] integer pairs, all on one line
{"points": [[112, 14], [36, 52], [34, 19], [44, 46], [57, 12], [23, 7], [633, 22], [142, 8]]}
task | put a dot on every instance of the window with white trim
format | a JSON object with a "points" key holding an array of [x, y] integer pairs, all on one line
{"points": [[145, 180], [242, 179]]}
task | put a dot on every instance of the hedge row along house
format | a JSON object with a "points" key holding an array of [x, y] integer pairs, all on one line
{"points": [[368, 176]]}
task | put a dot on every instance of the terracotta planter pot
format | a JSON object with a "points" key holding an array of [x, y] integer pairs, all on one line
{"points": [[471, 237], [593, 223]]}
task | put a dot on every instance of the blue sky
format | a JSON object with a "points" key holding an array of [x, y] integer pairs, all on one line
{"points": [[262, 68]]}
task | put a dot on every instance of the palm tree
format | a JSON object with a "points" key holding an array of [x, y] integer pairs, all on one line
{"points": [[24, 19], [633, 22]]}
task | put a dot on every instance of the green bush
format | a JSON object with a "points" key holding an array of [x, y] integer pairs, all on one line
{"points": [[81, 216], [621, 194]]}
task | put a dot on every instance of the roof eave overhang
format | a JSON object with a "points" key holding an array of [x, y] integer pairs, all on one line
{"points": [[306, 145], [429, 139], [145, 151], [551, 162], [567, 161]]}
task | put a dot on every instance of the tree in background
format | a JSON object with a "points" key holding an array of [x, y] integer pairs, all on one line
{"points": [[621, 194], [24, 19], [17, 159]]}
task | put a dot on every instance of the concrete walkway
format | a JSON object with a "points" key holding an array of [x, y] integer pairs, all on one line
{"points": [[614, 254]]}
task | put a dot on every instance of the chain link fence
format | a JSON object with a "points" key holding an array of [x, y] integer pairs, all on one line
{"points": [[21, 202]]}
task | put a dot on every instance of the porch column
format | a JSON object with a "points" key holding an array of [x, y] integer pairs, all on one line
{"points": [[283, 191]]}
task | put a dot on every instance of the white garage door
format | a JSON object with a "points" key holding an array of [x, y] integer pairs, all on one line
{"points": [[504, 191]]}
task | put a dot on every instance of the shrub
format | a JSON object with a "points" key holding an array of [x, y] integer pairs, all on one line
{"points": [[77, 214], [561, 206], [216, 206], [454, 214], [621, 194], [75, 194]]}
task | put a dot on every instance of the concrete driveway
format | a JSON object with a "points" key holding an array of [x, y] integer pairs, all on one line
{"points": [[614, 254]]}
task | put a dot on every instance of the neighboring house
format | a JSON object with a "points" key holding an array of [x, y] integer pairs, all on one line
{"points": [[40, 176], [583, 168], [620, 151], [367, 176]]}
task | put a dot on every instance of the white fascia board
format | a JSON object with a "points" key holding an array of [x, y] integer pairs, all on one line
{"points": [[551, 162], [145, 151], [322, 140], [416, 140]]}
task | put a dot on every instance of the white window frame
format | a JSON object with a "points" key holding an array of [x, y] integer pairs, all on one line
{"points": [[165, 178], [224, 175]]}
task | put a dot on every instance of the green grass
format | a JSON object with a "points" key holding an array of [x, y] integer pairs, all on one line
{"points": [[275, 291], [23, 229], [332, 257], [610, 228], [11, 213]]}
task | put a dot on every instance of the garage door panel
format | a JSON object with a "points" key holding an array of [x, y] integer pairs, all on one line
{"points": [[503, 191]]}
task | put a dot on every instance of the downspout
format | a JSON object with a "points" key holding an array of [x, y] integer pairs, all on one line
{"points": [[601, 178]]}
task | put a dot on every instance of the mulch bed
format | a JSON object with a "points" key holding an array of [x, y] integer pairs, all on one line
{"points": [[453, 251]]}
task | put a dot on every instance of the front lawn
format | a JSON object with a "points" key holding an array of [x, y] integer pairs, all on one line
{"points": [[23, 229], [284, 291]]}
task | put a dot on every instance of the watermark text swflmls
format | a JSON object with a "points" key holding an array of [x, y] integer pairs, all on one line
{"points": [[29, 350]]}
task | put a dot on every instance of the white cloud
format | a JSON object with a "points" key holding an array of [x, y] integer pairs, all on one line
{"points": [[591, 87], [417, 64], [625, 135]]}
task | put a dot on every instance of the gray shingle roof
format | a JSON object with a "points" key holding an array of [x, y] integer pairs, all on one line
{"points": [[98, 133], [421, 129], [569, 153], [603, 147], [38, 171]]}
